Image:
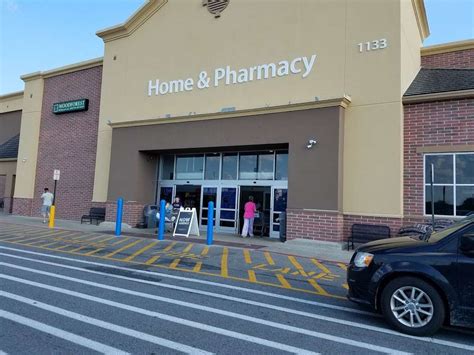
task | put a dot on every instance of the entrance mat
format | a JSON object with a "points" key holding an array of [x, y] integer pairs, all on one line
{"points": [[190, 240]]}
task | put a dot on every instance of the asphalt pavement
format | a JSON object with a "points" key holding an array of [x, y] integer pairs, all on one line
{"points": [[54, 301]]}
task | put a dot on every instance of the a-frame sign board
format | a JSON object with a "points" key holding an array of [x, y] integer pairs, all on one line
{"points": [[186, 224]]}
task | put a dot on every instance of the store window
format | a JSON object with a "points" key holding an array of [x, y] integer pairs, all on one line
{"points": [[256, 166], [281, 166], [167, 172], [453, 184], [212, 167], [189, 167], [229, 166]]}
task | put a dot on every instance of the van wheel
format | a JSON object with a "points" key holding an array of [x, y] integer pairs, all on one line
{"points": [[412, 306]]}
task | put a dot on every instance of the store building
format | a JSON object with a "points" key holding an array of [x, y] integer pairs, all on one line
{"points": [[312, 107]]}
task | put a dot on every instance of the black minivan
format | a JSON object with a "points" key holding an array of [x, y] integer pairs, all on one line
{"points": [[418, 285]]}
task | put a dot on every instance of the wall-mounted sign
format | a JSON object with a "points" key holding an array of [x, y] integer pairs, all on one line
{"points": [[230, 76], [71, 106]]}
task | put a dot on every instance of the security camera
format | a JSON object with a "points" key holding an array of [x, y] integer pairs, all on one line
{"points": [[311, 142]]}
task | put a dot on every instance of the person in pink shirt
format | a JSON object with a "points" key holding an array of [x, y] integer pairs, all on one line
{"points": [[249, 215]]}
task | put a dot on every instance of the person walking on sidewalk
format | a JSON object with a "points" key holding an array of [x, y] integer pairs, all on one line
{"points": [[47, 198], [249, 215]]}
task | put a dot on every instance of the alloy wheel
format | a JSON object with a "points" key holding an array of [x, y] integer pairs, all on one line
{"points": [[411, 306]]}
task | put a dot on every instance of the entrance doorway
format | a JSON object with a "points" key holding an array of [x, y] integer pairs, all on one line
{"points": [[261, 197], [190, 196]]}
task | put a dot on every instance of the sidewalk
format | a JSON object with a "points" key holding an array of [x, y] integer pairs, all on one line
{"points": [[299, 247]]}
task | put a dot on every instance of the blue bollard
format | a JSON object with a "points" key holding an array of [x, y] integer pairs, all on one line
{"points": [[161, 226], [118, 220], [210, 223]]}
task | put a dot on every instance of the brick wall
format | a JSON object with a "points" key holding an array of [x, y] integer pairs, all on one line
{"points": [[68, 142], [131, 214], [441, 123], [23, 207], [317, 225], [454, 60]]}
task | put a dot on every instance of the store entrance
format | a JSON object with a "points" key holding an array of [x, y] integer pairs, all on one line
{"points": [[190, 196], [261, 197]]}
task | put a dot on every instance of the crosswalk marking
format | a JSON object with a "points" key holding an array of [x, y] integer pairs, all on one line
{"points": [[152, 260], [198, 266], [317, 287], [106, 325], [205, 251], [320, 266], [283, 281], [252, 277], [297, 265], [73, 338], [173, 319], [175, 263], [188, 248]]}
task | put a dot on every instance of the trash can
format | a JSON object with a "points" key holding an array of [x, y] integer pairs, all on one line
{"points": [[283, 227], [149, 214]]}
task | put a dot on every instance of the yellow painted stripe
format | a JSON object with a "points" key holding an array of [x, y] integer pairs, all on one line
{"points": [[122, 248], [188, 248], [345, 285], [224, 259], [198, 266], [94, 238], [141, 251], [104, 240], [318, 288], [297, 265], [252, 277], [283, 281], [320, 266], [77, 249], [248, 259], [269, 258], [169, 247], [152, 260], [342, 266], [48, 244], [120, 241], [175, 263], [205, 251], [93, 251], [18, 238], [63, 247]]}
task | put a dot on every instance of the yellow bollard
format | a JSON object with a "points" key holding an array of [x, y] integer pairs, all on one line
{"points": [[51, 216]]}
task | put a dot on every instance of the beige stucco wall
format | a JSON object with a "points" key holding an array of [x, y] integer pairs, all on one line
{"points": [[29, 137], [11, 102], [182, 39]]}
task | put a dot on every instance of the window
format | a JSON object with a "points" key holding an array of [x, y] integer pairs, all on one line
{"points": [[212, 167], [281, 172], [167, 167], [256, 166], [453, 191], [189, 167], [229, 167]]}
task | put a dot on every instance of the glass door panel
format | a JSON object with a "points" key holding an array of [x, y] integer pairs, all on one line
{"points": [[228, 206], [280, 197], [208, 194]]}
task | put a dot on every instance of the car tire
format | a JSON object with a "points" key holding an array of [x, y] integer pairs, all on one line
{"points": [[430, 302]]}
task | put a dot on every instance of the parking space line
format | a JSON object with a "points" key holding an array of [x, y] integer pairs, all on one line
{"points": [[198, 266], [248, 259], [317, 287], [224, 260], [141, 251], [123, 248], [269, 258], [283, 281], [298, 266], [321, 266], [252, 277]]}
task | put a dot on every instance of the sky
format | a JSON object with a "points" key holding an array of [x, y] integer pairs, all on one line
{"points": [[37, 35]]}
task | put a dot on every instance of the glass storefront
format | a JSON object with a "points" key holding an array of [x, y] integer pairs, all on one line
{"points": [[227, 179]]}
